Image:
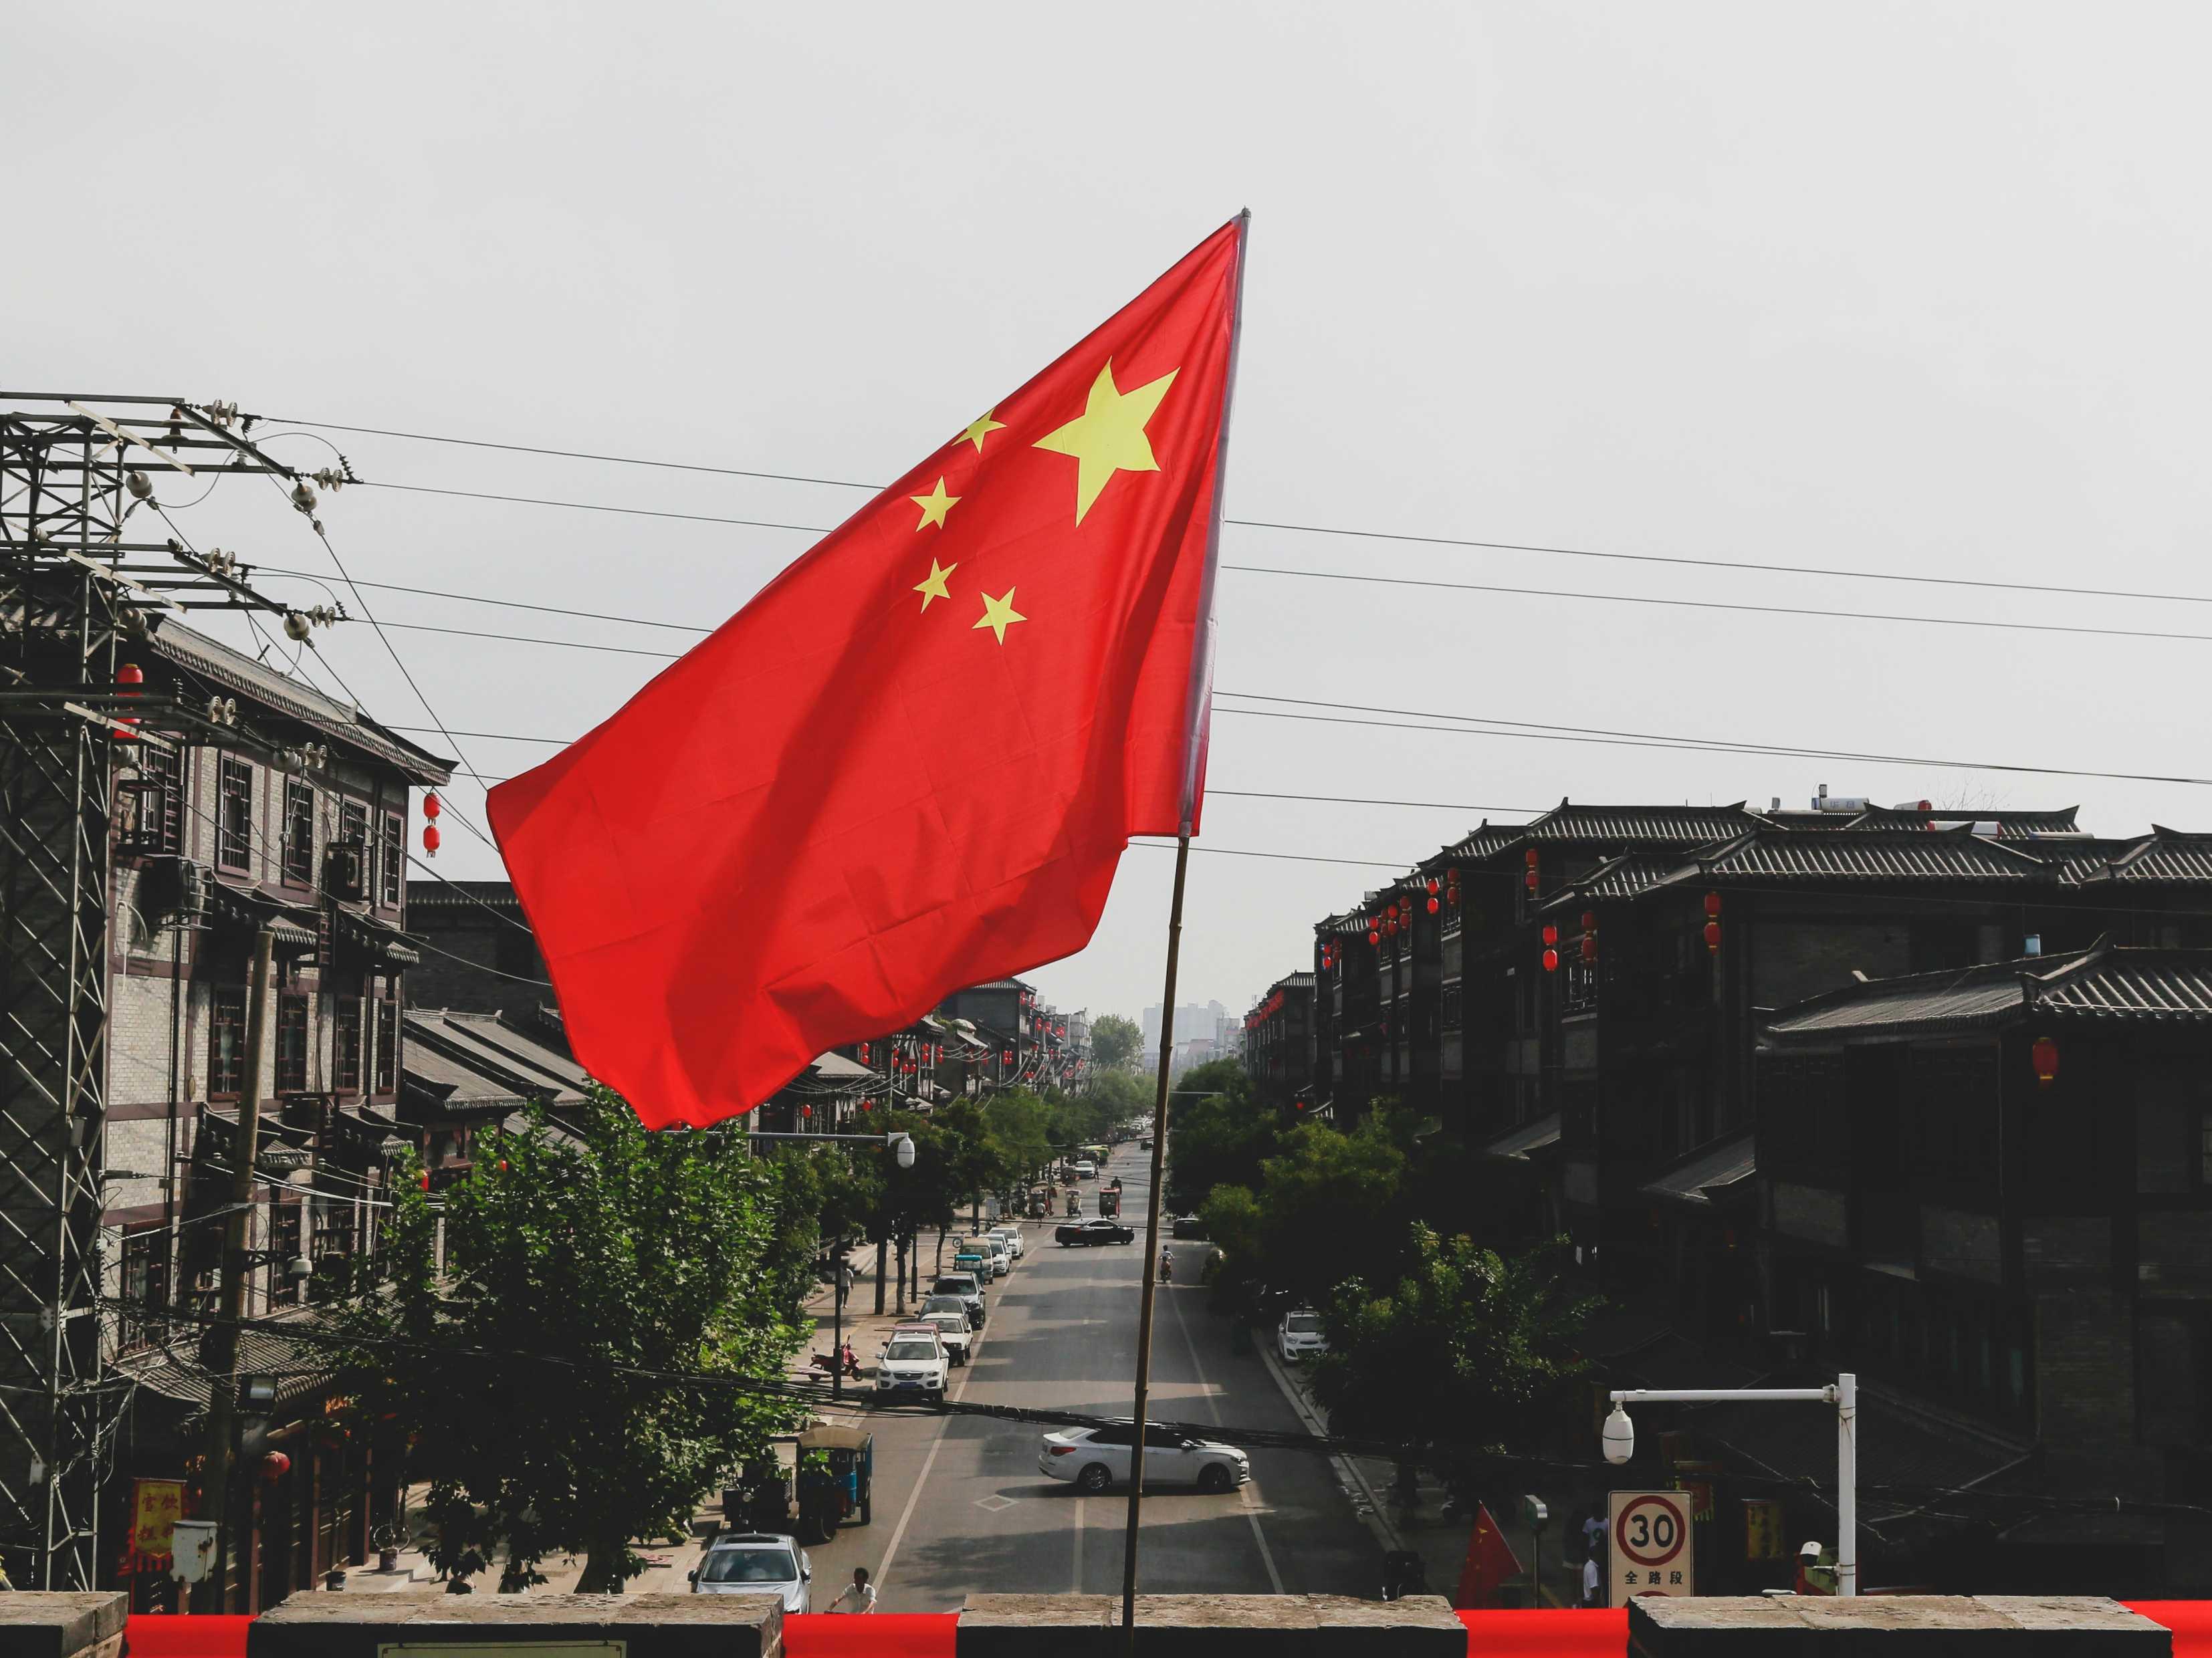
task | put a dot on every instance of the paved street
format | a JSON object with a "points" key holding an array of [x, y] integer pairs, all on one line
{"points": [[960, 1506]]}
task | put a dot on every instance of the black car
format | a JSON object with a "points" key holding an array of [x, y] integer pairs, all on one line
{"points": [[1092, 1231], [1190, 1226]]}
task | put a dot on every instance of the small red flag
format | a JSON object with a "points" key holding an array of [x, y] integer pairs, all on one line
{"points": [[913, 761], [1490, 1562]]}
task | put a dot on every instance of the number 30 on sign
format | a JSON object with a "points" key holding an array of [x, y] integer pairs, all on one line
{"points": [[1651, 1549]]}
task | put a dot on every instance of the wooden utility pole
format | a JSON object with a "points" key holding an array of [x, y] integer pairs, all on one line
{"points": [[222, 1351]]}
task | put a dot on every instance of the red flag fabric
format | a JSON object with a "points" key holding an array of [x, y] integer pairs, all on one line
{"points": [[1490, 1562], [913, 761]]}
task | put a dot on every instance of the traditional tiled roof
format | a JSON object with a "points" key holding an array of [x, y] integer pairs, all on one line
{"points": [[2162, 985], [1526, 1142], [2011, 824], [1770, 854], [2163, 855], [1617, 878], [1486, 840], [1674, 825], [212, 661], [1711, 1168]]}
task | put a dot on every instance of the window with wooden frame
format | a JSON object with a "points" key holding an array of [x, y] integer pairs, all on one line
{"points": [[225, 1042], [387, 1010], [283, 1249], [145, 1306], [393, 864], [299, 833], [291, 1044], [233, 823], [345, 1044], [149, 808]]}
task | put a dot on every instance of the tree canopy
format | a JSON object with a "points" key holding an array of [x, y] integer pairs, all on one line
{"points": [[1115, 1043], [565, 1370]]}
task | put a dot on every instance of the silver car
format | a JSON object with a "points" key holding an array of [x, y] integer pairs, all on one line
{"points": [[757, 1563]]}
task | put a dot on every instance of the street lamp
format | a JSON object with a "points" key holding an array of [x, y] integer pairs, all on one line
{"points": [[1620, 1444]]}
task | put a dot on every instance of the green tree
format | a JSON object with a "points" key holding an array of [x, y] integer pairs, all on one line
{"points": [[1116, 1042], [1021, 1124], [1325, 1210], [571, 1374], [1220, 1138], [1465, 1357]]}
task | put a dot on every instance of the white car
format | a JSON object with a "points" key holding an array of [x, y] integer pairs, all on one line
{"points": [[914, 1361], [1086, 1170], [757, 1563], [1299, 1336], [953, 1330], [1012, 1235], [1097, 1459]]}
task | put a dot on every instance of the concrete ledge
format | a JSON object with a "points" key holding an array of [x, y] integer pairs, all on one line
{"points": [[1893, 1626], [1173, 1625], [41, 1624], [435, 1624]]}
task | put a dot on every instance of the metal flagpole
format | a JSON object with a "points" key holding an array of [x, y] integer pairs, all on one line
{"points": [[1152, 1235], [1194, 746]]}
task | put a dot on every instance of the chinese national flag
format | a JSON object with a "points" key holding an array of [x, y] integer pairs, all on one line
{"points": [[1490, 1563], [913, 761]]}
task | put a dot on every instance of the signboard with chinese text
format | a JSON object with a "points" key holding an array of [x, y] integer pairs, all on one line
{"points": [[1762, 1530], [156, 1507], [1652, 1551]]}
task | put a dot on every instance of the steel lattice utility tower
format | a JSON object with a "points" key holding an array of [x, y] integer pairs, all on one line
{"points": [[72, 472]]}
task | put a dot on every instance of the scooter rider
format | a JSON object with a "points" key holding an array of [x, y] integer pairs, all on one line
{"points": [[1167, 1267]]}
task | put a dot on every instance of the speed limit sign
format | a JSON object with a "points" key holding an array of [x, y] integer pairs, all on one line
{"points": [[1651, 1549]]}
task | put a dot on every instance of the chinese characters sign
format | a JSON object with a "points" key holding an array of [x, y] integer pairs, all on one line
{"points": [[1651, 1550]]}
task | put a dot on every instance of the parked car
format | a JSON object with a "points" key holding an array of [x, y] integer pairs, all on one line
{"points": [[977, 1261], [914, 1361], [1190, 1226], [1145, 1144], [756, 1562], [1299, 1336], [990, 1243], [1097, 1459], [1016, 1245], [972, 1311], [950, 1320], [968, 1287], [1092, 1231], [1085, 1170]]}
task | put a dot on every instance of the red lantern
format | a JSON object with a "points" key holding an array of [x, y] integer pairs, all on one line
{"points": [[424, 1180], [430, 839], [1529, 858], [1008, 1057], [2044, 1053], [1589, 948], [805, 1110], [1551, 935], [1453, 895], [1589, 920], [1713, 904], [431, 805], [1713, 937], [274, 1465], [1433, 906], [1432, 883], [1529, 880], [867, 1105], [1298, 1105], [1551, 961], [864, 1052], [1374, 937], [128, 678]]}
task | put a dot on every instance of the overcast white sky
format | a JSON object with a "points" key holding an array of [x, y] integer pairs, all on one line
{"points": [[1903, 288]]}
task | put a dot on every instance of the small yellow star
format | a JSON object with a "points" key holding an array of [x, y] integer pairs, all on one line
{"points": [[1108, 436], [932, 585], [982, 424], [934, 505], [997, 613]]}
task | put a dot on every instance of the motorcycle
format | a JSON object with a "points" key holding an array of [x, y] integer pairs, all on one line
{"points": [[831, 1364], [1167, 1267]]}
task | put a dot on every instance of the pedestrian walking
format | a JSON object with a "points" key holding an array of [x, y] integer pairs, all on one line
{"points": [[1592, 1582], [859, 1592], [844, 1281]]}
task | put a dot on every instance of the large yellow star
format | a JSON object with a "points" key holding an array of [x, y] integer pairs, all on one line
{"points": [[1108, 436], [934, 505], [997, 613], [933, 584], [981, 426]]}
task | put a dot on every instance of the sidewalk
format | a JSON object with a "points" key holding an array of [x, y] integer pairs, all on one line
{"points": [[1369, 1485]]}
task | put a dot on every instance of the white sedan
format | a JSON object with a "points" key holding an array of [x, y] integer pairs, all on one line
{"points": [[1097, 1459]]}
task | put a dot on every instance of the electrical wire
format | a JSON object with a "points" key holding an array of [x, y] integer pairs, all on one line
{"points": [[1307, 529]]}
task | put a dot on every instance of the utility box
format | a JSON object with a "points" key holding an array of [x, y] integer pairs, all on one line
{"points": [[38, 1623]]}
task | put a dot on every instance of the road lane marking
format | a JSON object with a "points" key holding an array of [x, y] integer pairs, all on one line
{"points": [[1078, 1544], [1244, 1495], [883, 1573]]}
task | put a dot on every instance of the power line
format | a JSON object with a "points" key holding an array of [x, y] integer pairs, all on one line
{"points": [[1406, 537]]}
